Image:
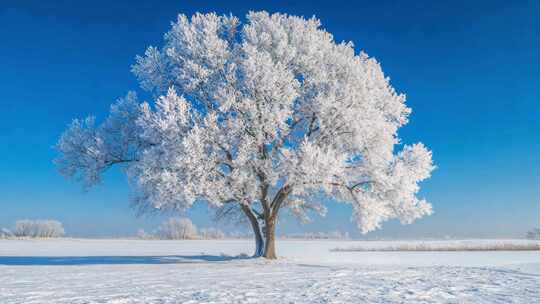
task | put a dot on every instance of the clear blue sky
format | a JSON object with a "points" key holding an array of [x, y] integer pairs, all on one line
{"points": [[470, 70]]}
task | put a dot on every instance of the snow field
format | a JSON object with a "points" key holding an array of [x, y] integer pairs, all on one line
{"points": [[135, 271]]}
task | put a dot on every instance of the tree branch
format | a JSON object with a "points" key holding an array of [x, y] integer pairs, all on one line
{"points": [[280, 196]]}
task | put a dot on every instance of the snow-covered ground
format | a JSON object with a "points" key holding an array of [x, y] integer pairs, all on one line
{"points": [[135, 271]]}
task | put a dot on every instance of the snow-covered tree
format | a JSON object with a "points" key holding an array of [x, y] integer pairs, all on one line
{"points": [[177, 229], [24, 228], [38, 228], [253, 118]]}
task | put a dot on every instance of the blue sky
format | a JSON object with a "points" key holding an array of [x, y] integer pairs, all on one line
{"points": [[469, 69]]}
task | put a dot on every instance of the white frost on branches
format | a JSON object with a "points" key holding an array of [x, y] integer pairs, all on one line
{"points": [[88, 150], [265, 114], [38, 228], [6, 233], [177, 229]]}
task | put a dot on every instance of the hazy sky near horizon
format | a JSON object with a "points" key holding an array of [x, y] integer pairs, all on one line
{"points": [[470, 70]]}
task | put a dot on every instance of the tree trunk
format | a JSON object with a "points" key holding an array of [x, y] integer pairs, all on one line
{"points": [[270, 242], [259, 242], [270, 221]]}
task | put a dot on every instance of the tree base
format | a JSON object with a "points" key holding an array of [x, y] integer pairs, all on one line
{"points": [[270, 257]]}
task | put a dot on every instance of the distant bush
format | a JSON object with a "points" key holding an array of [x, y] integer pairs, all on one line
{"points": [[332, 235], [534, 234], [6, 233], [177, 229], [212, 234], [38, 228]]}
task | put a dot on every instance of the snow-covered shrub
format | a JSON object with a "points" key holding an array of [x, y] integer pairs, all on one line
{"points": [[38, 228], [212, 234], [534, 234], [177, 229], [5, 233], [23, 228]]}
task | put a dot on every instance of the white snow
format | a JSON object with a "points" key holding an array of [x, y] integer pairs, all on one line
{"points": [[140, 271]]}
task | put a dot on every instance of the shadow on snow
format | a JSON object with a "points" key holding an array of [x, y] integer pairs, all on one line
{"points": [[114, 260]]}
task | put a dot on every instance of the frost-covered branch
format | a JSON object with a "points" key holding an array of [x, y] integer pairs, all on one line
{"points": [[87, 150]]}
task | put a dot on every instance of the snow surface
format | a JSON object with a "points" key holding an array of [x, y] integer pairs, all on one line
{"points": [[137, 271]]}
